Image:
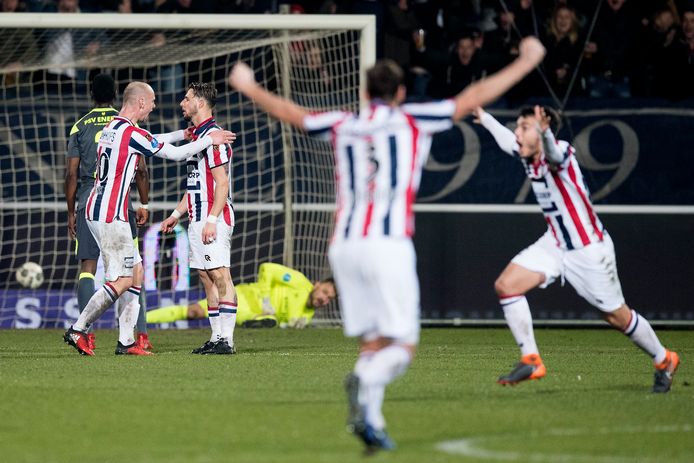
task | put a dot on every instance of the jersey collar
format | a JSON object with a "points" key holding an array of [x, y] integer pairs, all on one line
{"points": [[124, 119], [200, 128]]}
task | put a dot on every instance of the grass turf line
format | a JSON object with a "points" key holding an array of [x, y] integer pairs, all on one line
{"points": [[281, 399]]}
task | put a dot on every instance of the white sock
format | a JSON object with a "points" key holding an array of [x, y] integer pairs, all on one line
{"points": [[382, 369], [215, 323], [642, 334], [227, 315], [97, 305], [130, 304], [519, 320]]}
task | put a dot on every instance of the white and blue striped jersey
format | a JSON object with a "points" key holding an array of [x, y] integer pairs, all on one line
{"points": [[201, 184], [379, 155], [118, 153], [558, 185]]}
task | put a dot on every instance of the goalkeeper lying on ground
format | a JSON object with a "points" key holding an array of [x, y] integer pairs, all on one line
{"points": [[280, 296]]}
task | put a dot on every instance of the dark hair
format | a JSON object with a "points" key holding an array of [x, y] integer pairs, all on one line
{"points": [[383, 79], [330, 280], [103, 88], [554, 117], [205, 90]]}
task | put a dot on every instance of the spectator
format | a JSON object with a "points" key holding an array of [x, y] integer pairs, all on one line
{"points": [[465, 67], [311, 79], [185, 6], [501, 46], [682, 56], [64, 46], [609, 57], [399, 26], [655, 73], [17, 49], [563, 48], [502, 43]]}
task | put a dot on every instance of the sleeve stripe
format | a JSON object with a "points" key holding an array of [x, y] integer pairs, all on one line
{"points": [[141, 149]]}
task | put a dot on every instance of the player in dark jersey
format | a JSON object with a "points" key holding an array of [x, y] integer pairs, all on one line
{"points": [[79, 180]]}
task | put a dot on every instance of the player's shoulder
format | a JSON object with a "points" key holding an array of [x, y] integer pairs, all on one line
{"points": [[212, 128], [432, 108], [79, 123], [96, 115], [328, 117]]}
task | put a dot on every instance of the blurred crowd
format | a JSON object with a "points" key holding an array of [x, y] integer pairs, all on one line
{"points": [[595, 48]]}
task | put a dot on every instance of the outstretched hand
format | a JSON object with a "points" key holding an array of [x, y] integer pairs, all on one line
{"points": [[242, 77], [542, 118]]}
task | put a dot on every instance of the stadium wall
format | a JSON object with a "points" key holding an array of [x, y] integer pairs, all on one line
{"points": [[460, 255]]}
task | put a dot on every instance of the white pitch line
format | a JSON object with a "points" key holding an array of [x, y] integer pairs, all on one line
{"points": [[475, 446]]}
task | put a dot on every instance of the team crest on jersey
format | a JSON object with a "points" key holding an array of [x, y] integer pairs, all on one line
{"points": [[152, 141]]}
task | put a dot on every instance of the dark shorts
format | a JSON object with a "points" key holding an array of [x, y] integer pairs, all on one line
{"points": [[85, 244]]}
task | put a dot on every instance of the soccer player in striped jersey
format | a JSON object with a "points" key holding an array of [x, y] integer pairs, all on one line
{"points": [[81, 162], [120, 146], [208, 203], [379, 155], [575, 247]]}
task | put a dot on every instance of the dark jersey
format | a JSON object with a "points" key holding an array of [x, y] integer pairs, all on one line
{"points": [[84, 137]]}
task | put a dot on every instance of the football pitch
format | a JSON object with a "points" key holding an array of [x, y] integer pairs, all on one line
{"points": [[280, 399]]}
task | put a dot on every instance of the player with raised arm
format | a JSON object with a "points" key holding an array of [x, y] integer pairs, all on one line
{"points": [[120, 146], [379, 154], [81, 165], [575, 247], [208, 203]]}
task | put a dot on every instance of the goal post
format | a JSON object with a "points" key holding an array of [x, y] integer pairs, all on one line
{"points": [[282, 181]]}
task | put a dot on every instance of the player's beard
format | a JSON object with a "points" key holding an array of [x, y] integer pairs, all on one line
{"points": [[187, 116]]}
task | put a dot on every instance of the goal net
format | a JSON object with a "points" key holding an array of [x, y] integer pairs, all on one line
{"points": [[281, 181]]}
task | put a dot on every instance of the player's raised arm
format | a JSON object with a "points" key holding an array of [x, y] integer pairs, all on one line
{"points": [[552, 150], [242, 79], [180, 153], [503, 136], [487, 90]]}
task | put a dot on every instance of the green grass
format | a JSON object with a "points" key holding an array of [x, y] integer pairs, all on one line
{"points": [[281, 400]]}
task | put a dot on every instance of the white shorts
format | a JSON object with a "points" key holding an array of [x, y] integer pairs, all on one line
{"points": [[213, 255], [378, 288], [117, 248], [591, 270]]}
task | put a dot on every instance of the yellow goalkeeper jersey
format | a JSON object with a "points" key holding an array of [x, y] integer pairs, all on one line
{"points": [[287, 289]]}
